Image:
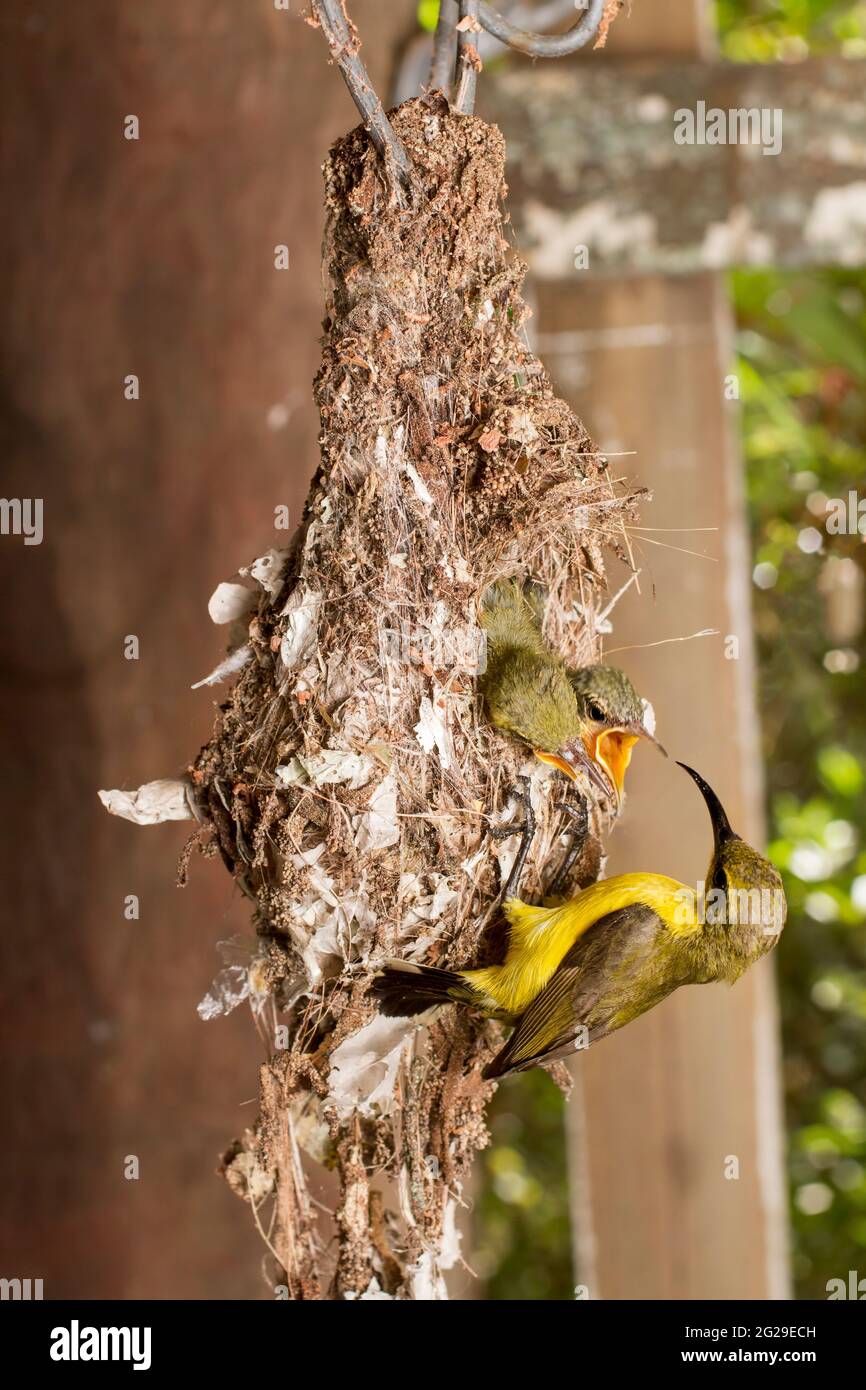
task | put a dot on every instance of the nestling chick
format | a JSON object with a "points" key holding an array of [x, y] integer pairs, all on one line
{"points": [[576, 972], [585, 720]]}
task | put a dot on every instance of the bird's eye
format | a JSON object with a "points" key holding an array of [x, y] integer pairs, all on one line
{"points": [[597, 713]]}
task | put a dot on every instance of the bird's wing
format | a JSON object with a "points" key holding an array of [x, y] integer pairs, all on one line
{"points": [[601, 963]]}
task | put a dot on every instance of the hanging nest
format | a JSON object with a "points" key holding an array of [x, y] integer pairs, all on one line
{"points": [[351, 779]]}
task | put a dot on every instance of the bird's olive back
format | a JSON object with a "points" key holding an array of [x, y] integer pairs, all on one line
{"points": [[525, 684]]}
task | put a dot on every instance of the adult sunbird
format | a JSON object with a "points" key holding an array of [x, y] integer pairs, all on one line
{"points": [[577, 971], [578, 720]]}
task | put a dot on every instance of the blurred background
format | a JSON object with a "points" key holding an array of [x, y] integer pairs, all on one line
{"points": [[728, 380]]}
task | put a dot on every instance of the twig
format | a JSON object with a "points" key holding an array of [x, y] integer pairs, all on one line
{"points": [[445, 48], [335, 27], [542, 45], [468, 62]]}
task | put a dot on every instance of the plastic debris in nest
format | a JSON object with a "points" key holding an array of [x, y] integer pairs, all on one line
{"points": [[328, 929], [153, 803], [301, 612], [425, 1276], [377, 828], [432, 730], [242, 978], [422, 908], [424, 1279], [364, 1066], [373, 1292], [329, 768]]}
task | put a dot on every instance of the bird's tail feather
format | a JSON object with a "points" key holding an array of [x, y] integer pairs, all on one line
{"points": [[404, 989]]}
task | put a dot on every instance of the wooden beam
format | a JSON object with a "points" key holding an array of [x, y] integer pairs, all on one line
{"points": [[594, 163]]}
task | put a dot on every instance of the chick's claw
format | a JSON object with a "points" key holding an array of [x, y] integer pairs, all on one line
{"points": [[579, 812], [526, 831]]}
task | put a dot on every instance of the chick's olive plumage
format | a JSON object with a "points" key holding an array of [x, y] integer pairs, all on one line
{"points": [[583, 719]]}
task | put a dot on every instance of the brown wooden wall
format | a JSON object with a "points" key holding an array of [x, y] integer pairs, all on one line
{"points": [[153, 257]]}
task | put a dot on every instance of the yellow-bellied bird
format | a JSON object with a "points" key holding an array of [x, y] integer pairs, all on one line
{"points": [[576, 972], [587, 719]]}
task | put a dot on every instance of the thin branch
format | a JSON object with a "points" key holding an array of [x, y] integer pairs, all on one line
{"points": [[542, 45], [468, 61], [335, 27], [445, 48]]}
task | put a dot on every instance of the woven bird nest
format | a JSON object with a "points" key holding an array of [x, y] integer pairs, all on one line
{"points": [[351, 779]]}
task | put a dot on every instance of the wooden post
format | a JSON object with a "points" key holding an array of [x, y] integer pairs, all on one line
{"points": [[668, 1111]]}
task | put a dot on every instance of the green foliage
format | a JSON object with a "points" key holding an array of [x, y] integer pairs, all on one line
{"points": [[802, 366], [522, 1228], [767, 31], [428, 14]]}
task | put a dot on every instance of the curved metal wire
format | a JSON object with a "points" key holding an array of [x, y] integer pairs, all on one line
{"points": [[542, 45], [343, 44]]}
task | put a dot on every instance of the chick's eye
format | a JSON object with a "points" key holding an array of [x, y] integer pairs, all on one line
{"points": [[597, 713], [720, 879]]}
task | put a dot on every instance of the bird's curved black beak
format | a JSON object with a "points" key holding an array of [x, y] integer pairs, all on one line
{"points": [[722, 831]]}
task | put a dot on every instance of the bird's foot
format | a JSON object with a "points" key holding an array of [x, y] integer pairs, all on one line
{"points": [[579, 812], [526, 831]]}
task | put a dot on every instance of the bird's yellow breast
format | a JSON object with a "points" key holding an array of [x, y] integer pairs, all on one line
{"points": [[540, 936]]}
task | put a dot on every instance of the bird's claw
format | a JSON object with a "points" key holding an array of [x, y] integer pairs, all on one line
{"points": [[579, 813], [520, 791], [577, 810]]}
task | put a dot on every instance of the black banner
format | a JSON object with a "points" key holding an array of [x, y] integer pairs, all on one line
{"points": [[220, 1339]]}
